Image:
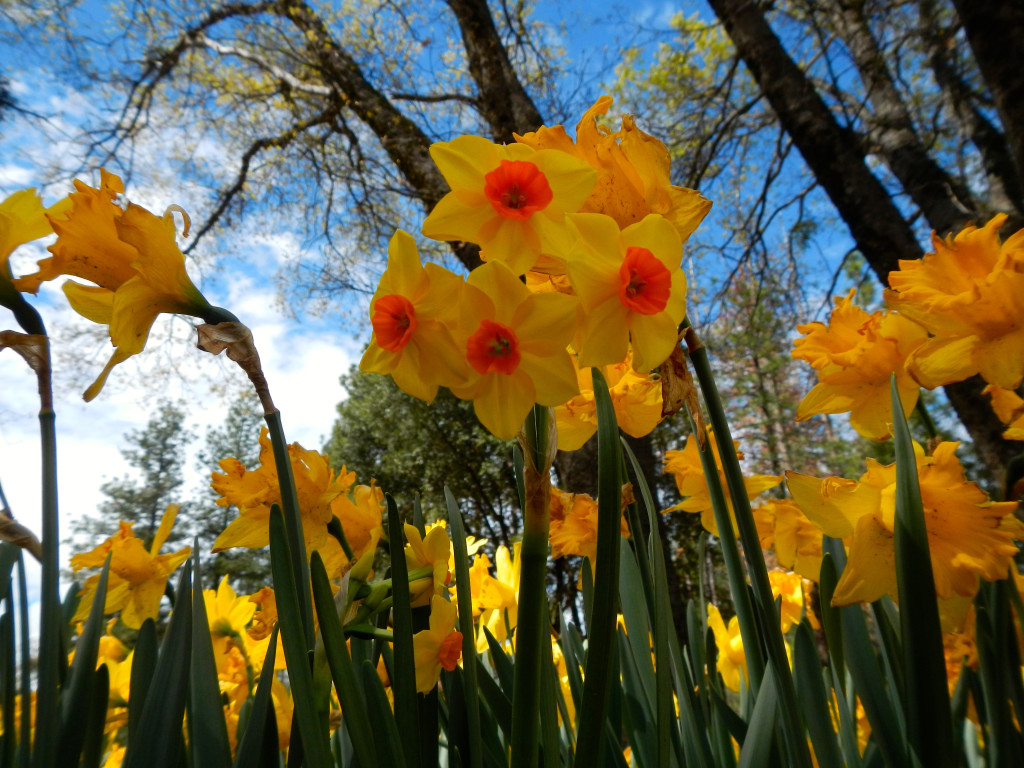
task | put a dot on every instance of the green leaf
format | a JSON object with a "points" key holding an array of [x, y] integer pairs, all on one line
{"points": [[157, 743], [77, 694], [387, 738], [597, 680], [757, 746], [96, 719], [143, 664], [926, 701], [550, 689], [831, 618], [8, 685], [357, 722], [403, 679], [208, 734], [314, 740], [813, 697], [496, 699], [474, 759], [258, 743]]}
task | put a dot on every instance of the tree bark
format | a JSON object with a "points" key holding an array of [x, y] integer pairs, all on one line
{"points": [[882, 234], [995, 31]]}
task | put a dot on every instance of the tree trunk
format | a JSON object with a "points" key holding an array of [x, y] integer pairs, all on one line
{"points": [[833, 155]]}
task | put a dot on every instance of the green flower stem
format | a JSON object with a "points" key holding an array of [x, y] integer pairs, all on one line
{"points": [[758, 571], [293, 518], [531, 630], [926, 419], [735, 570]]}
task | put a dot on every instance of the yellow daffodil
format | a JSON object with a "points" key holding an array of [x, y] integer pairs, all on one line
{"points": [[137, 578], [360, 512], [686, 468], [636, 398], [438, 647], [228, 615], [969, 294], [499, 597], [515, 343], [254, 491], [573, 528], [788, 586], [434, 550], [782, 526], [630, 287], [633, 171], [509, 200], [562, 671], [22, 219], [731, 659], [1009, 407], [132, 257], [479, 572], [969, 535], [854, 356], [408, 312]]}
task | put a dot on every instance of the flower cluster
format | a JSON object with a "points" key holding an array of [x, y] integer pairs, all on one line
{"points": [[582, 248]]}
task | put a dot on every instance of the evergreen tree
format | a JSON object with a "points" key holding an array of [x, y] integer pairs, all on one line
{"points": [[157, 454]]}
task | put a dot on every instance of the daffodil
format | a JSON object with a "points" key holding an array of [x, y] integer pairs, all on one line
{"points": [[782, 526], [854, 356], [630, 287], [732, 661], [686, 468], [969, 536], [573, 528], [410, 312], [633, 171], [789, 587], [255, 491], [499, 597], [509, 200], [1009, 407], [515, 343], [636, 398], [969, 294], [228, 615], [137, 578], [438, 647], [22, 219], [361, 514], [132, 257], [432, 550]]}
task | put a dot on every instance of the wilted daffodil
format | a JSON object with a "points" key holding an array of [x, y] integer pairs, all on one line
{"points": [[438, 647], [255, 491], [636, 398], [516, 348], [137, 578], [630, 287], [132, 257], [509, 200], [686, 468], [633, 171], [854, 356], [408, 312], [969, 535], [22, 219], [731, 658], [969, 294]]}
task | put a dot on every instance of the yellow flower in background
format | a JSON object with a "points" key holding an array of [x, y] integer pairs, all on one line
{"points": [[731, 659], [686, 468], [434, 550], [788, 586], [631, 289], [254, 491], [137, 578], [499, 597], [438, 647], [132, 257], [573, 528], [361, 514], [636, 398], [633, 171], [1009, 407], [969, 535], [22, 219], [854, 356], [782, 526], [969, 294], [516, 346], [409, 312], [228, 615], [509, 200]]}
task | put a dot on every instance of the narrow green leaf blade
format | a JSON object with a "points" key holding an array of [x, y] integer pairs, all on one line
{"points": [[757, 746], [251, 750], [403, 681]]}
